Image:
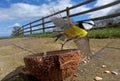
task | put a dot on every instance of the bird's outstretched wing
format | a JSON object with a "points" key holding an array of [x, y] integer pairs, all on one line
{"points": [[72, 32]]}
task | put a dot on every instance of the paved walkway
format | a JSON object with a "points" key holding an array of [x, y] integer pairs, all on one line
{"points": [[107, 53], [109, 56]]}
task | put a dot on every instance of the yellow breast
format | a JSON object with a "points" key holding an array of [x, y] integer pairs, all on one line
{"points": [[75, 31]]}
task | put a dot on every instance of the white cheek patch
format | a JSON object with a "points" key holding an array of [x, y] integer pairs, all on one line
{"points": [[87, 26]]}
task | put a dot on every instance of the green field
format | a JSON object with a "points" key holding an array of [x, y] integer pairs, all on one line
{"points": [[113, 32], [51, 35]]}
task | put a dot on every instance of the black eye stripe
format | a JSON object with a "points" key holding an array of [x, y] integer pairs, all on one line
{"points": [[89, 23]]}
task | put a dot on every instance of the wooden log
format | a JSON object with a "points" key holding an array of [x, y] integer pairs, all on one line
{"points": [[54, 65]]}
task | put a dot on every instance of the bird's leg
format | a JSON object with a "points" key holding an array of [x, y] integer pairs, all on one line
{"points": [[57, 37], [65, 43]]}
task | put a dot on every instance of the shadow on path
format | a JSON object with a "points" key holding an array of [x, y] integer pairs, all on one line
{"points": [[17, 75]]}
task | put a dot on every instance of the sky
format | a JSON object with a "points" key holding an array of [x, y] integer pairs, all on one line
{"points": [[20, 12]]}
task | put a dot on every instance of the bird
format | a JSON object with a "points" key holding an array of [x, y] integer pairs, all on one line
{"points": [[67, 30]]}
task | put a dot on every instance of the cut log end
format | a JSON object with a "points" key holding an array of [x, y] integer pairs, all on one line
{"points": [[56, 65]]}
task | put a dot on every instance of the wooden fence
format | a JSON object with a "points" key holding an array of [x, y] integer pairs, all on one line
{"points": [[41, 23]]}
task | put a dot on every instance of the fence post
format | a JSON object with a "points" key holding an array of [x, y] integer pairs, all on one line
{"points": [[18, 32], [68, 13], [43, 24], [30, 28], [22, 30]]}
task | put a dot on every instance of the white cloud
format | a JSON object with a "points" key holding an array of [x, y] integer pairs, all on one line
{"points": [[20, 11], [103, 2], [105, 11], [16, 24], [23, 11], [79, 9]]}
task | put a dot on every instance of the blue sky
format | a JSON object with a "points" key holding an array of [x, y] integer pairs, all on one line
{"points": [[20, 12]]}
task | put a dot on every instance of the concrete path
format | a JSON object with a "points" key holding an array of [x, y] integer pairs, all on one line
{"points": [[106, 59], [107, 52]]}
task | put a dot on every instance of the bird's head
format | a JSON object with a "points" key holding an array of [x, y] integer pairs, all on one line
{"points": [[87, 25]]}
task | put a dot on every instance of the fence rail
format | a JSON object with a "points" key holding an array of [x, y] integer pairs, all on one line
{"points": [[29, 28]]}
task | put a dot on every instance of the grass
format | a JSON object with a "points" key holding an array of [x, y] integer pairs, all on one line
{"points": [[113, 32], [38, 35]]}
